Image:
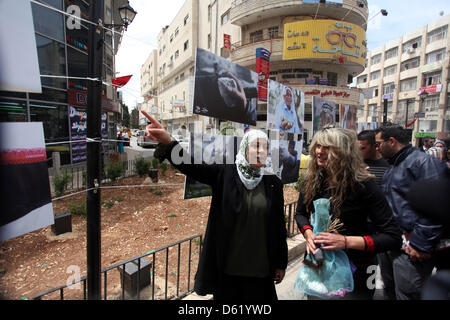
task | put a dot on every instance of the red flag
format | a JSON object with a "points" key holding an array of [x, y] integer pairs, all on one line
{"points": [[410, 124], [121, 81]]}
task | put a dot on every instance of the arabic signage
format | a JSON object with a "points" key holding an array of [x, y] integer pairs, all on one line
{"points": [[262, 69], [324, 93], [226, 41], [78, 121], [435, 88], [324, 39]]}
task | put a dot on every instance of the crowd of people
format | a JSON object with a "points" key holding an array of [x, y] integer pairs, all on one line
{"points": [[368, 179]]}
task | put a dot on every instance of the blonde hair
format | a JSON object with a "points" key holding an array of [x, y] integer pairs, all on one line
{"points": [[345, 167]]}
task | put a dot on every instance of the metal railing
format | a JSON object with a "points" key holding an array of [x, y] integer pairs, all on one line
{"points": [[183, 272], [155, 271]]}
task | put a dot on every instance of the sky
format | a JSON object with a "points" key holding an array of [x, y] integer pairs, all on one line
{"points": [[140, 39]]}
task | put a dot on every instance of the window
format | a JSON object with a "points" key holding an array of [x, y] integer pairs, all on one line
{"points": [[186, 45], [410, 64], [375, 59], [209, 41], [48, 22], [390, 70], [427, 125], [361, 79], [374, 91], [13, 111], [186, 19], [437, 34], [177, 53], [388, 88], [332, 78], [432, 78], [52, 61], [408, 84], [372, 110], [430, 103], [411, 45], [77, 63], [209, 12], [256, 36], [435, 56], [273, 32], [391, 53], [375, 75], [225, 17], [176, 31], [182, 76], [54, 118], [171, 38]]}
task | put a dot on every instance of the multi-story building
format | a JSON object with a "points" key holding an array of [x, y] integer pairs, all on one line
{"points": [[311, 65], [63, 52], [410, 75]]}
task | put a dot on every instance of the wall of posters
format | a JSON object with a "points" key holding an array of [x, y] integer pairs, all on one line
{"points": [[262, 69], [285, 108], [347, 117], [224, 89], [324, 113], [78, 131], [24, 184]]}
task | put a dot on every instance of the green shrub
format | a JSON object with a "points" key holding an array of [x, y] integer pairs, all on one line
{"points": [[155, 163], [114, 170], [164, 166], [61, 182], [78, 208], [142, 166]]}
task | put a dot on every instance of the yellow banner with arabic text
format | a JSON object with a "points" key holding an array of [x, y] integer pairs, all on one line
{"points": [[325, 39]]}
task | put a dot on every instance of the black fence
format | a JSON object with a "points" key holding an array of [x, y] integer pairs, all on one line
{"points": [[141, 278]]}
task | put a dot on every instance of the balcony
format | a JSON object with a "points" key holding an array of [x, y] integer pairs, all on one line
{"points": [[245, 12]]}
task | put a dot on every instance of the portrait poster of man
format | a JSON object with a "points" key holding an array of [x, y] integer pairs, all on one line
{"points": [[24, 184], [348, 117], [285, 108], [224, 90], [209, 149], [324, 113], [289, 158]]}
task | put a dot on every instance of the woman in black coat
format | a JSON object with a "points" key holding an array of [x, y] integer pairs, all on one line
{"points": [[337, 172], [245, 249]]}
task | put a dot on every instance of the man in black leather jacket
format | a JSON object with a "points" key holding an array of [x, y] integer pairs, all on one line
{"points": [[404, 272]]}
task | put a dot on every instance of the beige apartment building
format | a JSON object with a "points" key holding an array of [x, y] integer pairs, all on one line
{"points": [[411, 74], [306, 64]]}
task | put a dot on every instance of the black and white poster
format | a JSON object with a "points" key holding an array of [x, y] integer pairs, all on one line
{"points": [[24, 184], [289, 154], [224, 90]]}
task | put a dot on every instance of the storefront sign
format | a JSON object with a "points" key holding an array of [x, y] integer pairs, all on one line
{"points": [[77, 97], [335, 93], [262, 69], [78, 132], [324, 39], [227, 41], [424, 135]]}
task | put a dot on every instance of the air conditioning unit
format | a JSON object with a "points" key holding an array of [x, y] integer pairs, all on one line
{"points": [[411, 50]]}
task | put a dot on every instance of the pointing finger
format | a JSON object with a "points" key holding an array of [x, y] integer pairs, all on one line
{"points": [[152, 120]]}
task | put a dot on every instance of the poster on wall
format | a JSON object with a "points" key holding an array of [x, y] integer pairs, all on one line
{"points": [[19, 62], [104, 131], [289, 157], [224, 90], [78, 132], [347, 117], [324, 113], [285, 108], [24, 184], [209, 149]]}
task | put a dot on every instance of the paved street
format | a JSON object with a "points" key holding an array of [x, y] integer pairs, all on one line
{"points": [[285, 290]]}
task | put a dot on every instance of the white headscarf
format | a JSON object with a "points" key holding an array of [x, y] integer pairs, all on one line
{"points": [[251, 177]]}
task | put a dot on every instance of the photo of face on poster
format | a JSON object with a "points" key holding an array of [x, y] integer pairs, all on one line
{"points": [[348, 117], [224, 89], [285, 108], [324, 113], [289, 157], [209, 149]]}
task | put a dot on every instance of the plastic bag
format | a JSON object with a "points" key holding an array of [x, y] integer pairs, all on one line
{"points": [[331, 276]]}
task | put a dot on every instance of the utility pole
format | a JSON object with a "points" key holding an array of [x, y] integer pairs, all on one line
{"points": [[94, 97]]}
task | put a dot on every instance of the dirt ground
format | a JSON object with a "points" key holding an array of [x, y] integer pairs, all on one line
{"points": [[141, 219]]}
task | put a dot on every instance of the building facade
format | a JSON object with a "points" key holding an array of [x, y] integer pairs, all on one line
{"points": [[410, 76], [167, 75], [63, 51]]}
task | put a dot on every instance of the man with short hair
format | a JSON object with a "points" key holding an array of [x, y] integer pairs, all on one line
{"points": [[427, 144], [405, 271], [377, 165]]}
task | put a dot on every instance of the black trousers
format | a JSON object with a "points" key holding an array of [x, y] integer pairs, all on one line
{"points": [[245, 289]]}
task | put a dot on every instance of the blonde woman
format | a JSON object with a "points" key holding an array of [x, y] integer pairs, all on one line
{"points": [[336, 171]]}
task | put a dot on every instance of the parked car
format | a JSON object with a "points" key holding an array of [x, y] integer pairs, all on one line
{"points": [[144, 141]]}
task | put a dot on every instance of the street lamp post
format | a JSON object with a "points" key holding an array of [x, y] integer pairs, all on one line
{"points": [[93, 176]]}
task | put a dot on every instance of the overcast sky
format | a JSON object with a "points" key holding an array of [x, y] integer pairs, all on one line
{"points": [[141, 37]]}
